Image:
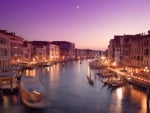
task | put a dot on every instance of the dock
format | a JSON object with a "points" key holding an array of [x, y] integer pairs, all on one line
{"points": [[8, 80]]}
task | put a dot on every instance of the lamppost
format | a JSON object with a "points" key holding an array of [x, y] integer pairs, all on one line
{"points": [[146, 70], [148, 85]]}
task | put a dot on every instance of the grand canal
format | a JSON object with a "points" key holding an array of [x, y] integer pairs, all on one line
{"points": [[68, 91]]}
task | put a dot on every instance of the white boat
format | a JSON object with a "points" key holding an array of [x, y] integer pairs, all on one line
{"points": [[32, 92], [118, 83]]}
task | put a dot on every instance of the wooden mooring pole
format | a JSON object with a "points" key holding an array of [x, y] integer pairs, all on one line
{"points": [[1, 95], [148, 99]]}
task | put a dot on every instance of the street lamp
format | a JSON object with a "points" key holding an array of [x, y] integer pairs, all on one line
{"points": [[114, 64], [146, 70]]}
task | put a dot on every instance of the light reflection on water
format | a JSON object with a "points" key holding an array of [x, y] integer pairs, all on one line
{"points": [[116, 105], [68, 91], [31, 72], [139, 97]]}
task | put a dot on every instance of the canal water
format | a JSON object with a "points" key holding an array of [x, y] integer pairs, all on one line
{"points": [[69, 91]]}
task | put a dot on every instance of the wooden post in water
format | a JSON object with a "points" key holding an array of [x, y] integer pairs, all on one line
{"points": [[1, 94], [147, 99], [148, 85]]}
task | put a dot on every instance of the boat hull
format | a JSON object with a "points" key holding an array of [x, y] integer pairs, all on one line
{"points": [[31, 98]]}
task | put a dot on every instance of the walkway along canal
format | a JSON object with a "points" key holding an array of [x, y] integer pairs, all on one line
{"points": [[69, 91]]}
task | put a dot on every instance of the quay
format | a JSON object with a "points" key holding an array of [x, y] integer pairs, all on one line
{"points": [[139, 80], [8, 80]]}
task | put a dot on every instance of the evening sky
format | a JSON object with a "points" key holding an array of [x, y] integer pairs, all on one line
{"points": [[87, 23]]}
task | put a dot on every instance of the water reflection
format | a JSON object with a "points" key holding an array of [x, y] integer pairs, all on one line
{"points": [[78, 65], [116, 105], [30, 72], [54, 72], [6, 102], [139, 97], [119, 93]]}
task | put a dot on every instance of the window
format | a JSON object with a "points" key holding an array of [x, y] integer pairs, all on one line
{"points": [[146, 52], [141, 58], [138, 57], [146, 43]]}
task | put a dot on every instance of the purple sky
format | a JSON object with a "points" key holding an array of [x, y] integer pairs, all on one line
{"points": [[87, 23]]}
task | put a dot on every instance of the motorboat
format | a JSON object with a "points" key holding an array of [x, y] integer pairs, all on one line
{"points": [[32, 92]]}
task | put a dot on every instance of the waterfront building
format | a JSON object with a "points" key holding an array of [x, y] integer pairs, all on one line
{"points": [[27, 50], [16, 44], [53, 52], [4, 51], [39, 50], [91, 53], [67, 49], [80, 54], [39, 53], [126, 49], [111, 51], [136, 59], [130, 51], [86, 53], [118, 50], [45, 51], [146, 50]]}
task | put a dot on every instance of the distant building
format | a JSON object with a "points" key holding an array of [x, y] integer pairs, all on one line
{"points": [[4, 51], [80, 54], [87, 53], [44, 50], [27, 50], [67, 49], [111, 51], [16, 44], [53, 52], [146, 50], [39, 50]]}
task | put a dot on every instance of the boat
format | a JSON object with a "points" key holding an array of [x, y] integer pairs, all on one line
{"points": [[32, 92], [29, 67], [118, 83], [90, 80], [105, 81], [108, 74]]}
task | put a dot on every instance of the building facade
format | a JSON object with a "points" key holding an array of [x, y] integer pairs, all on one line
{"points": [[45, 51], [53, 52], [132, 51], [86, 53], [16, 45], [67, 49], [4, 51], [27, 51]]}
